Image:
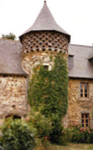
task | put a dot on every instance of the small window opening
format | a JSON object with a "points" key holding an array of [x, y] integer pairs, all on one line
{"points": [[45, 67]]}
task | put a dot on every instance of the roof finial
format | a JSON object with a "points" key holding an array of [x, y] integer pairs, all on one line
{"points": [[45, 2]]}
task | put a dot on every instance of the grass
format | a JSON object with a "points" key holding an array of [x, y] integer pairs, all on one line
{"points": [[75, 147], [70, 146]]}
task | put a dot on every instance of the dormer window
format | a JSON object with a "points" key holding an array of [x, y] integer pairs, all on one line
{"points": [[70, 61]]}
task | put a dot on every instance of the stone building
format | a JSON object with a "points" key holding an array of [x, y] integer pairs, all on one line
{"points": [[17, 59]]}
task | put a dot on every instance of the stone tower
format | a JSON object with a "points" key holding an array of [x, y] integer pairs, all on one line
{"points": [[44, 38]]}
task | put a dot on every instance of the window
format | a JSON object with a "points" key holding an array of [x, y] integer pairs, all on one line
{"points": [[83, 90], [70, 61], [85, 120], [45, 67]]}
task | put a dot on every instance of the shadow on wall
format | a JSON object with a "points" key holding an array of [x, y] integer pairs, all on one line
{"points": [[14, 117]]}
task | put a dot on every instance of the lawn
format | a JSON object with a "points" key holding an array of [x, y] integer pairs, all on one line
{"points": [[68, 147], [75, 147]]}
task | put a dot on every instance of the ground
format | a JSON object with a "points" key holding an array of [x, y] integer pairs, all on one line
{"points": [[75, 147], [69, 147]]}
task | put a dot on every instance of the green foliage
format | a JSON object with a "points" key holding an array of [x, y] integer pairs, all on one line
{"points": [[17, 135], [82, 135], [41, 123], [49, 89], [9, 36], [67, 135]]}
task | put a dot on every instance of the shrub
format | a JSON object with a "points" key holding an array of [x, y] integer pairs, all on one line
{"points": [[17, 135], [82, 135], [41, 123], [67, 136], [57, 128]]}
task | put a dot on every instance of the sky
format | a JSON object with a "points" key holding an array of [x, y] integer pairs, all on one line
{"points": [[74, 16]]}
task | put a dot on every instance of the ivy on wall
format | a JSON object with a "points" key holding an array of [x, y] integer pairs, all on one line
{"points": [[48, 90]]}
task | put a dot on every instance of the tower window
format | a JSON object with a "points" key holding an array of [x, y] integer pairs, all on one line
{"points": [[46, 67]]}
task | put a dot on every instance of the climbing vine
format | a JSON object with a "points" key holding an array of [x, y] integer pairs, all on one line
{"points": [[48, 90]]}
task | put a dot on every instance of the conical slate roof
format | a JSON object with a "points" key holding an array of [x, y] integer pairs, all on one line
{"points": [[45, 22]]}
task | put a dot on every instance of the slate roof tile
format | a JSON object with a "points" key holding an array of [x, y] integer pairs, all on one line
{"points": [[82, 67], [10, 57], [45, 22]]}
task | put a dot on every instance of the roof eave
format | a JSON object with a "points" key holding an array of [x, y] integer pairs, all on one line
{"points": [[15, 74], [78, 77], [69, 36]]}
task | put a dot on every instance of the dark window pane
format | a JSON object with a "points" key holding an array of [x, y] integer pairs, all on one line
{"points": [[82, 121], [86, 121], [16, 117], [86, 125], [46, 67], [81, 90], [86, 115], [86, 90], [82, 125], [81, 94], [85, 87], [85, 94]]}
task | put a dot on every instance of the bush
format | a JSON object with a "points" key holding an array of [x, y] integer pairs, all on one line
{"points": [[17, 135], [82, 135], [41, 123], [67, 136], [57, 128], [48, 129]]}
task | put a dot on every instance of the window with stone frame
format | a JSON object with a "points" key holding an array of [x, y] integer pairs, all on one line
{"points": [[46, 67], [84, 90], [85, 120]]}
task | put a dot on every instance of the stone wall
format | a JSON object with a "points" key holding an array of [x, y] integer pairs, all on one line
{"points": [[78, 105], [13, 95], [35, 58]]}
